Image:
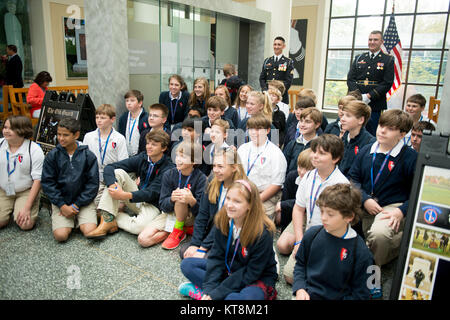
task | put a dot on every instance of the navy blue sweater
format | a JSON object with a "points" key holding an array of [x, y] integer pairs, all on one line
{"points": [[142, 123], [288, 198], [232, 115], [291, 152], [393, 189], [170, 178], [324, 262], [139, 164], [182, 108], [333, 128], [257, 264], [68, 181], [352, 148], [204, 222]]}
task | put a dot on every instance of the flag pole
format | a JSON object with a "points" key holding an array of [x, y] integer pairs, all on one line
{"points": [[393, 6]]}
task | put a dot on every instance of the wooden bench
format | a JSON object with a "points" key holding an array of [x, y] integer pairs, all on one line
{"points": [[5, 104], [433, 109], [293, 95], [18, 98]]}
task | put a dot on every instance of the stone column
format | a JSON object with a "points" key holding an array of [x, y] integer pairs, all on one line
{"points": [[107, 52]]}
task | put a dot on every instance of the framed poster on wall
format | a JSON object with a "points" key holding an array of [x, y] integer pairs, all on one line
{"points": [[297, 48], [423, 270]]}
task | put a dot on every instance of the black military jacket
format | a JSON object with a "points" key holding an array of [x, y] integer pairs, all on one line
{"points": [[282, 70], [372, 76]]}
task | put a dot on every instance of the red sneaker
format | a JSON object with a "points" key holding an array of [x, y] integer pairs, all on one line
{"points": [[189, 230], [174, 239]]}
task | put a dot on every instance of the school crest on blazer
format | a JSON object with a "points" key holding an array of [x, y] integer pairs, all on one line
{"points": [[343, 255], [244, 252]]}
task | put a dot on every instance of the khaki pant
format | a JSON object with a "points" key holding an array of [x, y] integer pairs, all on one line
{"points": [[145, 213], [380, 238], [87, 214], [271, 204], [288, 270], [159, 222], [13, 204]]}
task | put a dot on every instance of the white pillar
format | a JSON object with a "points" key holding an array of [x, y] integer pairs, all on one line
{"points": [[280, 23]]}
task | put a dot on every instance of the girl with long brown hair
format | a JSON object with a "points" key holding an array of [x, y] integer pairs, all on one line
{"points": [[241, 264]]}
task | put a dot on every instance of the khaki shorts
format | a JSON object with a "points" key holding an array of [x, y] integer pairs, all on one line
{"points": [[270, 205], [87, 214], [13, 204], [159, 222]]}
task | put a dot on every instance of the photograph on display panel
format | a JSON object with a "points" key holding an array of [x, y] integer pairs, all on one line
{"points": [[428, 256]]}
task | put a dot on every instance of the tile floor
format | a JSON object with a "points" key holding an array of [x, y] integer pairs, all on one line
{"points": [[34, 266]]}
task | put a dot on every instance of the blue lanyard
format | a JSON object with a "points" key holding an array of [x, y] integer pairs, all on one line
{"points": [[249, 168], [212, 154], [100, 145], [312, 203], [381, 168], [230, 235], [7, 164], [406, 142], [151, 165], [172, 109], [343, 237], [130, 131], [179, 180], [220, 195]]}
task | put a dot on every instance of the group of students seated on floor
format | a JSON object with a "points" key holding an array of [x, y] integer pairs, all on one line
{"points": [[338, 194]]}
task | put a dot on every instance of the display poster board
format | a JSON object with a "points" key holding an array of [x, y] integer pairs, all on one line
{"points": [[423, 270], [57, 106]]}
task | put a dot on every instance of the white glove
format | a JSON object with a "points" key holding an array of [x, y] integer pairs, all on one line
{"points": [[365, 98]]}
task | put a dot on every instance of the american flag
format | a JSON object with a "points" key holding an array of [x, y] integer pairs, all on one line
{"points": [[393, 46]]}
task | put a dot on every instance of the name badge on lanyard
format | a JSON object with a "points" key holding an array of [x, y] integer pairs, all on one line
{"points": [[10, 188]]}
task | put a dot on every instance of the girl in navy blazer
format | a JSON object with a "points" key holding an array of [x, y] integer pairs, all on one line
{"points": [[241, 264], [176, 100]]}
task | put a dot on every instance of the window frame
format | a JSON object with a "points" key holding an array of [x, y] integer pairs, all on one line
{"points": [[385, 19]]}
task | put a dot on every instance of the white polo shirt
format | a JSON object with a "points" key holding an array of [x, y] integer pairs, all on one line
{"points": [[267, 162], [23, 176], [116, 150], [284, 108], [132, 143], [305, 189]]}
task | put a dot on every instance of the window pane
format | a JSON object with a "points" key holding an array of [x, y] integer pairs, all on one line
{"points": [[444, 67], [405, 6], [343, 8], [370, 7], [426, 91], [334, 90], [424, 66], [439, 96], [433, 6], [363, 28], [429, 31], [404, 28], [405, 58], [338, 64], [341, 33]]}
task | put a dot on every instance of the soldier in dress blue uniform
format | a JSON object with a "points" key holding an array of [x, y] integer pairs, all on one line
{"points": [[277, 67], [372, 73]]}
